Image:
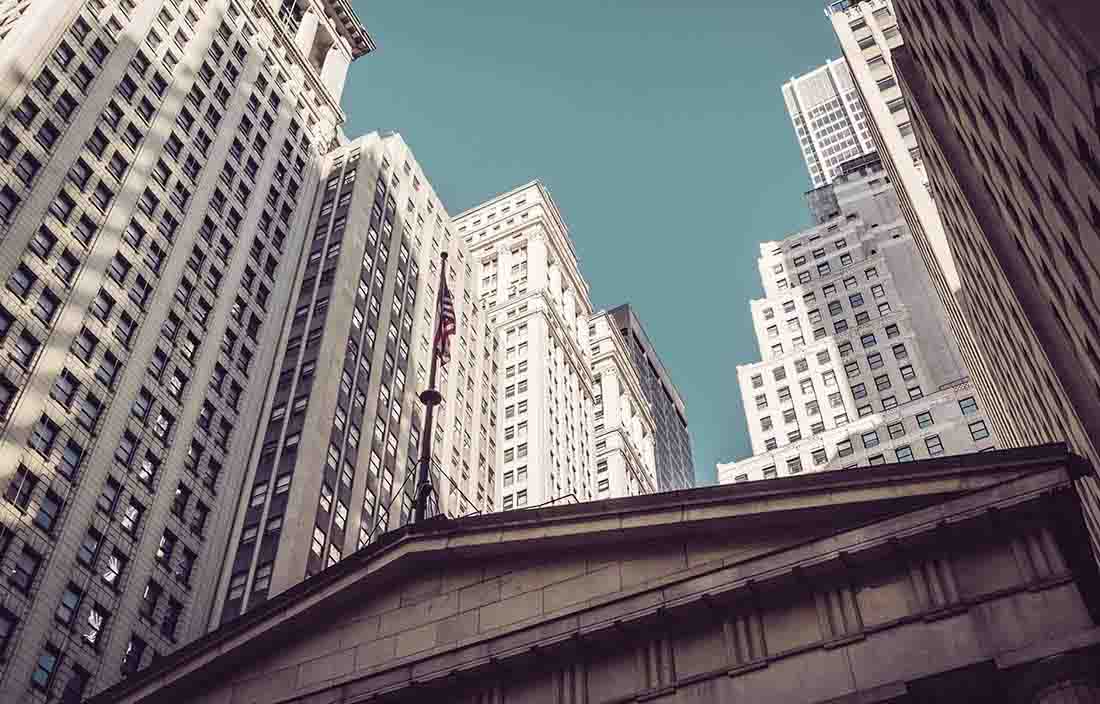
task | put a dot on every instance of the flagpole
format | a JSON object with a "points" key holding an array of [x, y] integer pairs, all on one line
{"points": [[431, 398]]}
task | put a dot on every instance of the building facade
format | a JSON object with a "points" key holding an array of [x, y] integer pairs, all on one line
{"points": [[868, 33], [623, 428], [1003, 98], [859, 364], [537, 302], [828, 119], [675, 463], [159, 162], [353, 357], [958, 579]]}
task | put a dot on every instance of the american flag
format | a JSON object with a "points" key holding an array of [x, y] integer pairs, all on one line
{"points": [[447, 323]]}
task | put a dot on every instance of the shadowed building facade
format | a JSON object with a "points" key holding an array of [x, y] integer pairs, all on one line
{"points": [[956, 579], [672, 443], [1004, 100]]}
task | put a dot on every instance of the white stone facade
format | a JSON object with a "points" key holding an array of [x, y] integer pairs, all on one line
{"points": [[537, 301], [157, 167], [623, 425], [828, 119], [853, 345], [868, 34]]}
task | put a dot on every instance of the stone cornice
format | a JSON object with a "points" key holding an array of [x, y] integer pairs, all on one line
{"points": [[953, 490]]}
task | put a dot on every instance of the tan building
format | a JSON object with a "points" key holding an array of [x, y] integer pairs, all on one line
{"points": [[537, 302], [158, 163], [1002, 96], [959, 579], [334, 466]]}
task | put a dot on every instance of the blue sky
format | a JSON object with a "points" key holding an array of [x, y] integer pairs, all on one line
{"points": [[659, 129]]}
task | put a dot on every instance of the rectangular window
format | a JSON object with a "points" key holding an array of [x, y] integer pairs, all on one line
{"points": [[978, 430]]}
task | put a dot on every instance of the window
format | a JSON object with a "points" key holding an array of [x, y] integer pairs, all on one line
{"points": [[934, 445], [45, 667], [868, 340], [882, 382], [896, 430], [870, 439], [794, 465], [968, 406], [70, 604], [978, 430], [48, 511], [25, 569], [915, 393], [20, 488], [44, 434]]}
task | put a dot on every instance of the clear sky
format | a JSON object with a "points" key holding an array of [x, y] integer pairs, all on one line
{"points": [[658, 127]]}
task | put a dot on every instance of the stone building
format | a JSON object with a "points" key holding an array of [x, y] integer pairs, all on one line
{"points": [[1003, 98], [334, 465], [859, 363], [623, 428], [158, 164], [868, 33], [537, 301], [828, 119], [962, 578]]}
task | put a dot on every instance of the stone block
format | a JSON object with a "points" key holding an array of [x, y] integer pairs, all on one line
{"points": [[582, 588], [375, 653], [431, 609], [508, 611], [643, 567], [415, 640], [329, 667], [271, 687], [360, 631], [537, 576], [479, 594], [456, 628]]}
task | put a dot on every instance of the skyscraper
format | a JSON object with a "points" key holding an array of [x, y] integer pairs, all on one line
{"points": [[860, 367], [537, 302], [672, 443], [1003, 98], [622, 422], [335, 466], [828, 118], [160, 168], [868, 34]]}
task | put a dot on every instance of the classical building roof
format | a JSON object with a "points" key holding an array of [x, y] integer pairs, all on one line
{"points": [[439, 602]]}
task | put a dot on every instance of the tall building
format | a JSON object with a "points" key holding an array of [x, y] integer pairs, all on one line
{"points": [[1003, 98], [859, 364], [672, 443], [352, 359], [868, 34], [537, 302], [828, 118], [622, 422], [159, 162]]}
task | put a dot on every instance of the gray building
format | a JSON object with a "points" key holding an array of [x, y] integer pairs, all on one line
{"points": [[672, 442], [859, 363], [158, 169]]}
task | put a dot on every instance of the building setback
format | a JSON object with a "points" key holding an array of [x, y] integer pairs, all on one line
{"points": [[956, 579], [352, 360], [860, 367], [868, 34], [672, 443], [1003, 98], [622, 421], [828, 118], [159, 163], [537, 301]]}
